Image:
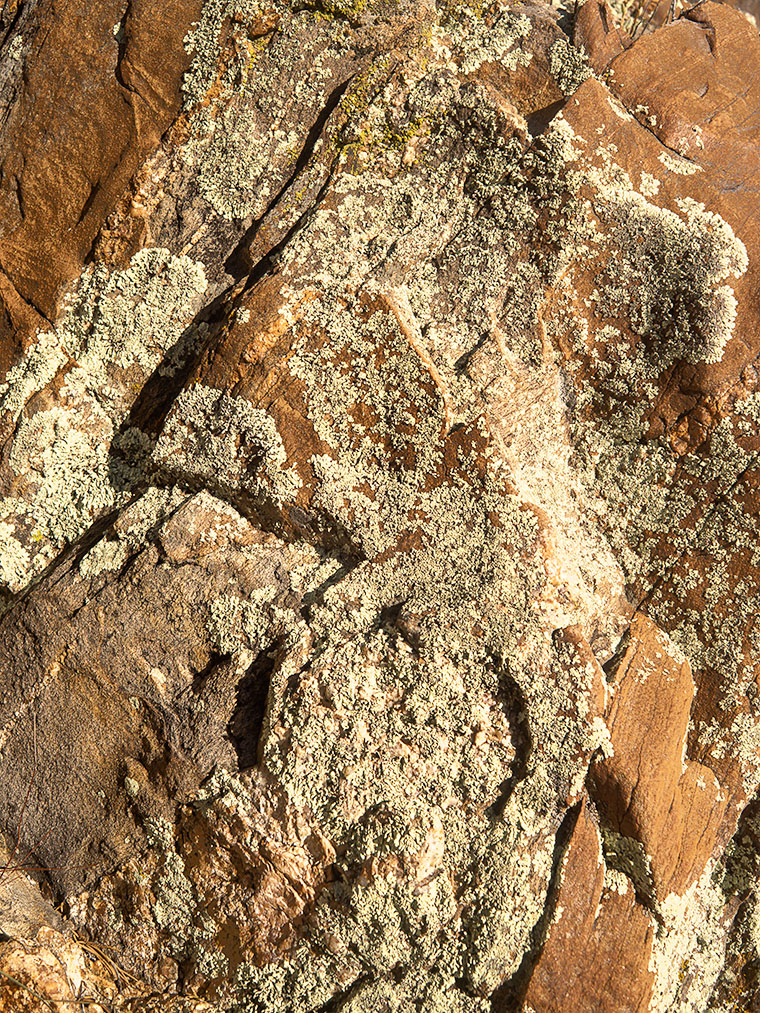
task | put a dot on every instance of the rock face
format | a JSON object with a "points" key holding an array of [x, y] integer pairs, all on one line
{"points": [[379, 492]]}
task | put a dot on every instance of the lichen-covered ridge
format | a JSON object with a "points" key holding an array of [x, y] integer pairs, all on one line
{"points": [[378, 523]]}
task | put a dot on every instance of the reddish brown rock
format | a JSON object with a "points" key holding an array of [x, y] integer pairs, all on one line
{"points": [[531, 88], [99, 88], [646, 789], [596, 953], [693, 85], [19, 322], [596, 32], [416, 369]]}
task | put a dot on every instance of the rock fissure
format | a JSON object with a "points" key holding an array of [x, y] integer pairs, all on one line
{"points": [[378, 510]]}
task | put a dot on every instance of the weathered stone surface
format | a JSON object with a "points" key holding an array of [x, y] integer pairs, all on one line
{"points": [[378, 510], [597, 925], [598, 34], [53, 973], [662, 811], [88, 92], [23, 910]]}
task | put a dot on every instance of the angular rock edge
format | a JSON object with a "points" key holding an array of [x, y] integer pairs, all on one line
{"points": [[379, 543]]}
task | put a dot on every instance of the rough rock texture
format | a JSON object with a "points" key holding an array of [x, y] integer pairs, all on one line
{"points": [[379, 494]]}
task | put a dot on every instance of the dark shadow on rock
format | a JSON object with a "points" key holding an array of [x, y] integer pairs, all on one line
{"points": [[247, 719], [515, 707], [538, 121]]}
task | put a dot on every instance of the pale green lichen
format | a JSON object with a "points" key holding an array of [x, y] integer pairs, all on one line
{"points": [[130, 317], [699, 253], [682, 262], [211, 963], [744, 739], [626, 855], [438, 722], [306, 982], [234, 623], [431, 739], [383, 920], [477, 42], [507, 905], [105, 557], [36, 369], [226, 443], [243, 148], [145, 515], [623, 477], [246, 144], [680, 166], [616, 881], [692, 933], [114, 331], [379, 472], [737, 875], [203, 42], [177, 910], [175, 904], [569, 66], [403, 997], [132, 787], [14, 559], [234, 173], [650, 185]]}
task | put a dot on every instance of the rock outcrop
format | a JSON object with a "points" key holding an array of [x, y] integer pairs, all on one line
{"points": [[379, 496]]}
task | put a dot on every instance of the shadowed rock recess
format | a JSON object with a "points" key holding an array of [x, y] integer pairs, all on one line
{"points": [[379, 497]]}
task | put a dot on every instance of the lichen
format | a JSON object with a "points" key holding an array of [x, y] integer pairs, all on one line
{"points": [[36, 369], [683, 261], [203, 42], [129, 317], [676, 299], [176, 904], [692, 933], [569, 65], [404, 997], [114, 331], [246, 144], [429, 736], [105, 557], [627, 855], [479, 42], [680, 166], [144, 516], [14, 558], [434, 707], [382, 469], [234, 623], [227, 444]]}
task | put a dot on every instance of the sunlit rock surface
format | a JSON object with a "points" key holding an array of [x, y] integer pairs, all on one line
{"points": [[379, 490]]}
